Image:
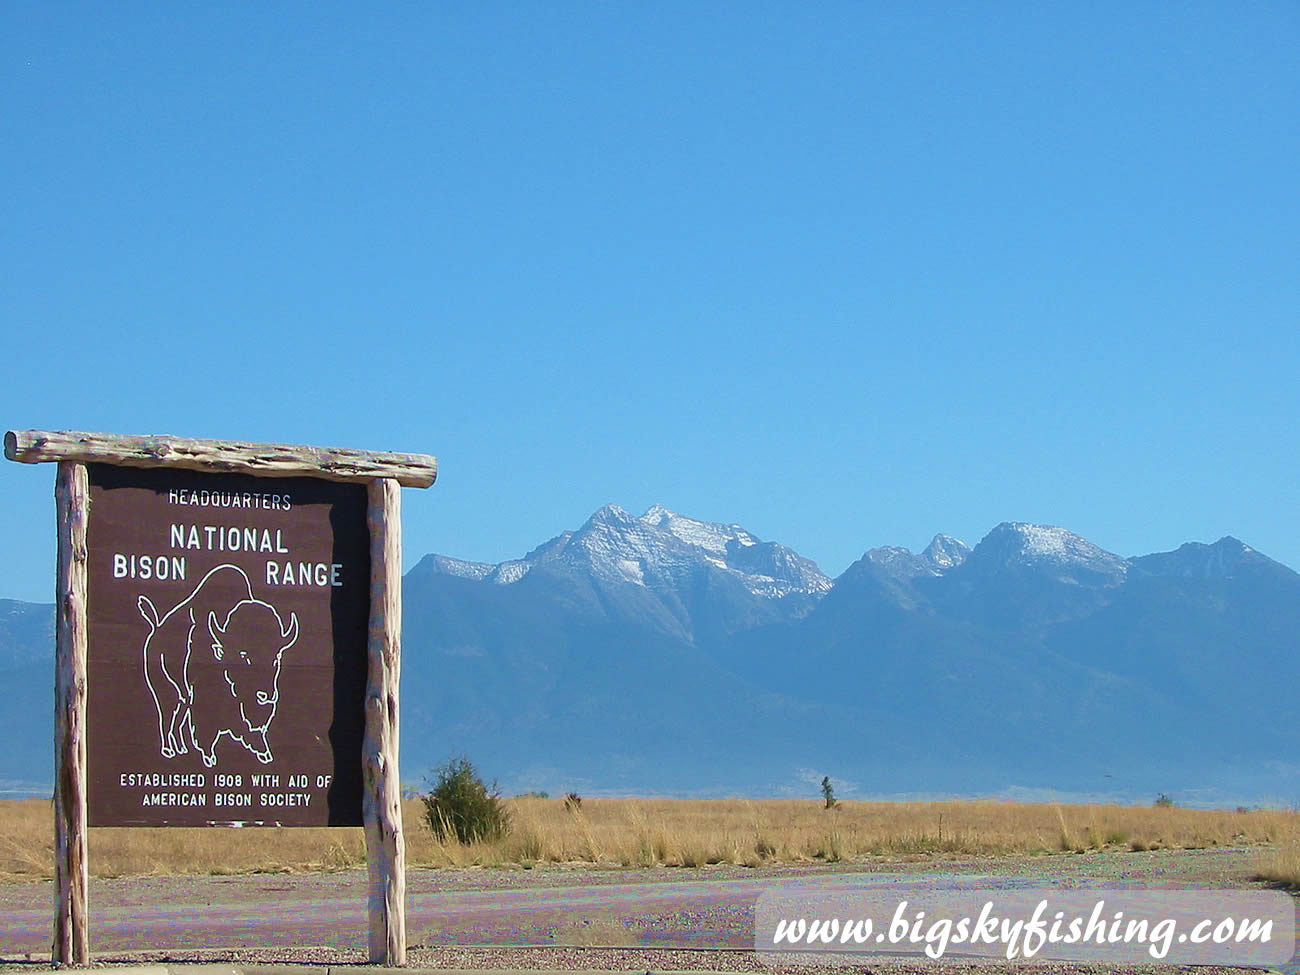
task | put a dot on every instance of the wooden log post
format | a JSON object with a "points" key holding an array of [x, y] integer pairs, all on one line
{"points": [[381, 803], [384, 474], [72, 496]]}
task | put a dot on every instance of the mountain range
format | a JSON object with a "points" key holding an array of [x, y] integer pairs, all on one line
{"points": [[662, 654]]}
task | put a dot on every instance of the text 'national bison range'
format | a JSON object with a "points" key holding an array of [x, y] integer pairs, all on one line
{"points": [[227, 538]]}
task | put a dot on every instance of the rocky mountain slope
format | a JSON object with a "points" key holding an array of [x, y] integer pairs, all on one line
{"points": [[662, 654]]}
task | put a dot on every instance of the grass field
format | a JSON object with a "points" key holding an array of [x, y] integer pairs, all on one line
{"points": [[1282, 866], [682, 833]]}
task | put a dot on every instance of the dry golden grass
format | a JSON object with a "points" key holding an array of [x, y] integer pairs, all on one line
{"points": [[688, 833], [1282, 865], [27, 847], [645, 832]]}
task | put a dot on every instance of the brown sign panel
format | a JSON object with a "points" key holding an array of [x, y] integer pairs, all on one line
{"points": [[226, 667]]}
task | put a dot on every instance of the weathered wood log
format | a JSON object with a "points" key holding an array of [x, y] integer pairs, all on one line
{"points": [[381, 802], [227, 456], [72, 497]]}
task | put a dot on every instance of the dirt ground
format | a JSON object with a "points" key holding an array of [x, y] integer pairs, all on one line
{"points": [[569, 923]]}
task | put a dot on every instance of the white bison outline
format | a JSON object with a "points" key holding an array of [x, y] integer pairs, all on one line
{"points": [[212, 665]]}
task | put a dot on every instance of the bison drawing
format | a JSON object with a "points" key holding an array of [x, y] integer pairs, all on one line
{"points": [[213, 666]]}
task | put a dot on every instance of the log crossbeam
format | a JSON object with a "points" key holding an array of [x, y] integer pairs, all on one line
{"points": [[220, 456]]}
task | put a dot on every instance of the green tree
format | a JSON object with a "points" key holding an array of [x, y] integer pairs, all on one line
{"points": [[828, 792]]}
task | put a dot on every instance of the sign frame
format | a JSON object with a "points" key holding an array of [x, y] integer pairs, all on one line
{"points": [[384, 474]]}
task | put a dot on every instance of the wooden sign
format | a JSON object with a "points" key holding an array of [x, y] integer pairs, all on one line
{"points": [[232, 613], [227, 649]]}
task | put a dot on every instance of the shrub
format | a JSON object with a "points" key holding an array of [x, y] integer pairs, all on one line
{"points": [[1163, 802], [529, 847], [460, 806], [573, 802]]}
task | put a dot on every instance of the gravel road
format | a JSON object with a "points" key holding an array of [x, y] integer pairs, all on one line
{"points": [[556, 918]]}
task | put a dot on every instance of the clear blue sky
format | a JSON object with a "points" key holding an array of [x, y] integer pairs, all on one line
{"points": [[848, 274]]}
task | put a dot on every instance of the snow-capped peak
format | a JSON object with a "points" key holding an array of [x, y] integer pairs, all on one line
{"points": [[945, 552], [657, 514], [618, 546], [766, 568], [659, 550], [1051, 542], [708, 535], [1020, 543], [900, 562], [1226, 557], [611, 514], [445, 565]]}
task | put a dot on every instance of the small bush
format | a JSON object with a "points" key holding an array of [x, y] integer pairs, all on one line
{"points": [[573, 802], [461, 807], [1163, 802], [529, 847], [1283, 867]]}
